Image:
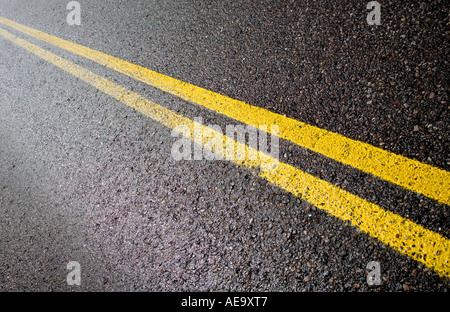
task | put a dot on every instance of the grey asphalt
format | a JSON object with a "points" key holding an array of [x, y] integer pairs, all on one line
{"points": [[85, 178]]}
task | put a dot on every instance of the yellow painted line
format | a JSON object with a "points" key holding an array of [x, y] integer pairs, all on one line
{"points": [[407, 173], [405, 236]]}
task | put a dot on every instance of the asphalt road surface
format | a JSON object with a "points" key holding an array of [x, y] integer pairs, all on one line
{"points": [[85, 176]]}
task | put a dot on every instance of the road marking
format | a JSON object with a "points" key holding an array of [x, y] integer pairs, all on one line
{"points": [[405, 236], [407, 173]]}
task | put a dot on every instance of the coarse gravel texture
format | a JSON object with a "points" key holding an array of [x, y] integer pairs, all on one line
{"points": [[85, 178]]}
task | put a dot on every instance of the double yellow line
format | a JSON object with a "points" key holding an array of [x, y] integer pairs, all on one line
{"points": [[410, 174], [430, 248]]}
